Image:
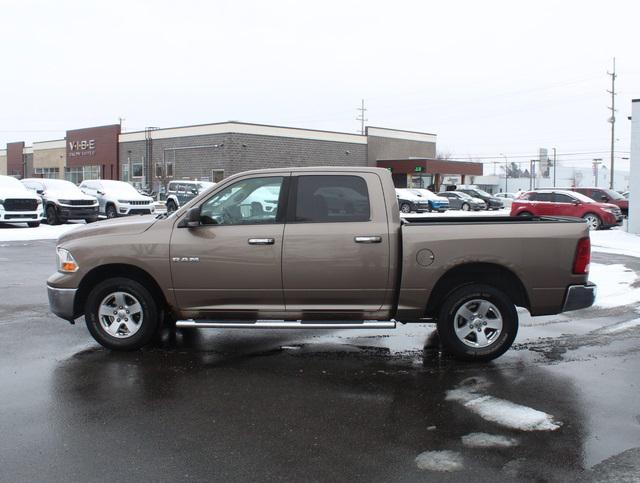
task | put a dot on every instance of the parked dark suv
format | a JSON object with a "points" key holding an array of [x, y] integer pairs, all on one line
{"points": [[605, 195]]}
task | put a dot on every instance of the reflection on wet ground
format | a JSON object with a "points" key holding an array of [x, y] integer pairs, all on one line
{"points": [[315, 405]]}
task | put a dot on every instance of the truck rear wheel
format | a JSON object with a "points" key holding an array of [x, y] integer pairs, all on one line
{"points": [[477, 322], [121, 314]]}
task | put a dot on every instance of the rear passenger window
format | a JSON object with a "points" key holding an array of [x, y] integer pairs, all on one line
{"points": [[548, 197], [327, 199]]}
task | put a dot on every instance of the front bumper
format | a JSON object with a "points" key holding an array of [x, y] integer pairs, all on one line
{"points": [[77, 212], [21, 216], [579, 297], [62, 302], [127, 209]]}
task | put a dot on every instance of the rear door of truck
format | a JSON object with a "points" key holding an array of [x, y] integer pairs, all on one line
{"points": [[336, 243]]}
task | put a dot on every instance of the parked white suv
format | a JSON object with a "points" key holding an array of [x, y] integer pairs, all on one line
{"points": [[118, 198], [63, 200], [18, 204]]}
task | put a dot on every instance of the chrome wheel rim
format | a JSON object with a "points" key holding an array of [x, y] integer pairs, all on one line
{"points": [[120, 315], [592, 221], [478, 323], [405, 209]]}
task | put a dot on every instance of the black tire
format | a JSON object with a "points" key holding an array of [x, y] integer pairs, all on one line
{"points": [[525, 214], [110, 211], [404, 208], [52, 215], [465, 207], [149, 322], [33, 224], [171, 206], [448, 320], [91, 220]]}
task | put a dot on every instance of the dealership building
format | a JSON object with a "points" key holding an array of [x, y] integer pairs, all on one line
{"points": [[211, 152]]}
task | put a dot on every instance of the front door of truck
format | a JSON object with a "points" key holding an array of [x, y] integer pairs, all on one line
{"points": [[232, 262], [336, 244]]}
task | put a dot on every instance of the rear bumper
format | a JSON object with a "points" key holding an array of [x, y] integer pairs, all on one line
{"points": [[62, 302], [579, 297]]}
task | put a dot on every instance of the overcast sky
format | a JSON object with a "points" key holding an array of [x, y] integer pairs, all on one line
{"points": [[486, 77]]}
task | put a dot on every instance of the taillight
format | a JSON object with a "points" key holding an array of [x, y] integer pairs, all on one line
{"points": [[583, 256]]}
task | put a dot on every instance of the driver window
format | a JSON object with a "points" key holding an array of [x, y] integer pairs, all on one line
{"points": [[250, 201]]}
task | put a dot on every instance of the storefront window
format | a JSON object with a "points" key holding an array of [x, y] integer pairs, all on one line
{"points": [[51, 173], [217, 175], [78, 174]]}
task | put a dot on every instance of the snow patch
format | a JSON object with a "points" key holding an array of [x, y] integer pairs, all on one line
{"points": [[622, 326], [440, 461], [615, 241], [615, 285], [484, 440], [18, 232], [500, 411]]}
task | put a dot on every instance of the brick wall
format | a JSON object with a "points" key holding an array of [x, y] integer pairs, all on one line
{"points": [[196, 156]]}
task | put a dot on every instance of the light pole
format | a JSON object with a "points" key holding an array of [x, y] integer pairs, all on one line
{"points": [[555, 167], [596, 162], [506, 172]]}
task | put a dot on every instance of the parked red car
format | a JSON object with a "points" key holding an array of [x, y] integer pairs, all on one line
{"points": [[604, 195], [567, 203]]}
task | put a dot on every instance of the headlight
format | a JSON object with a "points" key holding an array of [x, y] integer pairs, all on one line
{"points": [[123, 201], [39, 200], [66, 262], [64, 202], [613, 211]]}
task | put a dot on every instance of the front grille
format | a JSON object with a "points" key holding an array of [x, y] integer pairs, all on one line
{"points": [[79, 202], [138, 203], [139, 212], [20, 217], [20, 205]]}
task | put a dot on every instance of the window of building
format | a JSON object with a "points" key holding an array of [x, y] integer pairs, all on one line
{"points": [[250, 201], [217, 175], [159, 170], [327, 199], [169, 166], [50, 173], [137, 170], [79, 173], [125, 172]]}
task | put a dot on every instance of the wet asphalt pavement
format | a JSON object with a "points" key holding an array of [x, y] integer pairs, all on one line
{"points": [[241, 405]]}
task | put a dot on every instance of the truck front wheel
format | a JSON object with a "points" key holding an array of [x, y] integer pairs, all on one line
{"points": [[477, 322], [121, 314]]}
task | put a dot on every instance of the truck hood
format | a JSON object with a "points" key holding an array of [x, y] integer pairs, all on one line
{"points": [[131, 225], [17, 193]]}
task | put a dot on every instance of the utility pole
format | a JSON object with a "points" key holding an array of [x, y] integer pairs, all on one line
{"points": [[506, 172], [596, 162], [555, 167], [612, 119], [121, 121], [361, 117]]}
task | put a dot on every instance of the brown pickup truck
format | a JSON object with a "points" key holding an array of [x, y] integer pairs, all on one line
{"points": [[318, 248]]}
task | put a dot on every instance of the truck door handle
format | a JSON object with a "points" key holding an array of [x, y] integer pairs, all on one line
{"points": [[368, 239], [261, 241]]}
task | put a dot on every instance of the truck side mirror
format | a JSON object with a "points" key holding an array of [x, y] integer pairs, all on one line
{"points": [[604, 198], [191, 219]]}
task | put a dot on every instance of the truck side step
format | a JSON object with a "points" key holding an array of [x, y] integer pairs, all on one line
{"points": [[282, 324]]}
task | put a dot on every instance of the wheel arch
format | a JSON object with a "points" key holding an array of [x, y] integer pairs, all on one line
{"points": [[492, 274], [124, 270]]}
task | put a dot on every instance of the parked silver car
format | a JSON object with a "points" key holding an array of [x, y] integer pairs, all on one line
{"points": [[462, 201]]}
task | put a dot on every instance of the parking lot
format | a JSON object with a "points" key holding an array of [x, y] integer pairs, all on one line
{"points": [[317, 405]]}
